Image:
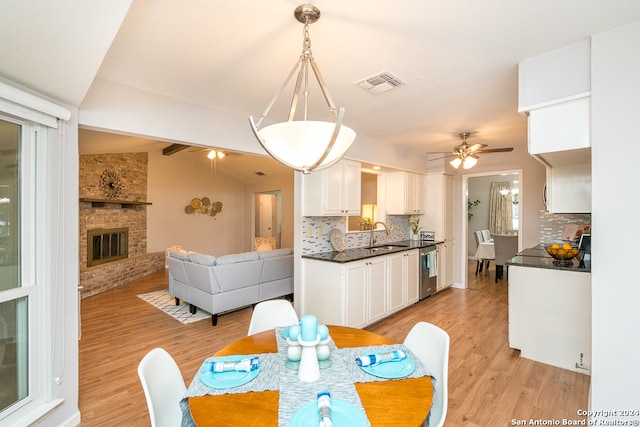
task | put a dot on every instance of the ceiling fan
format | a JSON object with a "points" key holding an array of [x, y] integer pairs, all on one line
{"points": [[466, 155]]}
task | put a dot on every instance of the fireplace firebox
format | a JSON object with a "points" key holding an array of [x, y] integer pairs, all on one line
{"points": [[107, 245]]}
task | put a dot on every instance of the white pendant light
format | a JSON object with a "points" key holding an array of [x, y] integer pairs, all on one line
{"points": [[305, 145]]}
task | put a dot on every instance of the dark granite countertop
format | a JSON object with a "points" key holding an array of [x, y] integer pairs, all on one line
{"points": [[355, 254], [538, 257]]}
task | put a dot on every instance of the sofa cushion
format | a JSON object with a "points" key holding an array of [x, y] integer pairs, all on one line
{"points": [[179, 254], [202, 259], [275, 253], [234, 258]]}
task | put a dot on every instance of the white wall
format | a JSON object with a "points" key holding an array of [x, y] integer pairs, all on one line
{"points": [[173, 181], [615, 109]]}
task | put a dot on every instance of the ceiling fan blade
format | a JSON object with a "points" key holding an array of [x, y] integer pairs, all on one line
{"points": [[476, 147], [495, 150], [444, 157]]}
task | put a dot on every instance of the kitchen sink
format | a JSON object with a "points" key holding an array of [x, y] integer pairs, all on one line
{"points": [[387, 248]]}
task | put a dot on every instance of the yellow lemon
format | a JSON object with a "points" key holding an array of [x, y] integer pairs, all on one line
{"points": [[566, 246], [555, 246]]}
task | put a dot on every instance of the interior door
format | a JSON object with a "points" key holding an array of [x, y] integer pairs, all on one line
{"points": [[267, 215]]}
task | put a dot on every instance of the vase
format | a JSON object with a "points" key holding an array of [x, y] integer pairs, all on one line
{"points": [[415, 236]]}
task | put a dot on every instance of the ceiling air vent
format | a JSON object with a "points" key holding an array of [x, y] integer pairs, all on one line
{"points": [[381, 82]]}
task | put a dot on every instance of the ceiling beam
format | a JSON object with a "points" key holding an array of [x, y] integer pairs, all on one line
{"points": [[173, 148]]}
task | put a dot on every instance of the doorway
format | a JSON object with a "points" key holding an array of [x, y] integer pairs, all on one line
{"points": [[267, 215], [477, 191]]}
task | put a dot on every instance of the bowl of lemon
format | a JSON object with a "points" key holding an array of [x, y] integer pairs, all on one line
{"points": [[562, 251]]}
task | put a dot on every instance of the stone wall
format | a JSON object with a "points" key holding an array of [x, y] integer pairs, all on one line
{"points": [[131, 172]]}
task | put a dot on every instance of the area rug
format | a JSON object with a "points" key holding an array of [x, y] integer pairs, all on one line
{"points": [[167, 303]]}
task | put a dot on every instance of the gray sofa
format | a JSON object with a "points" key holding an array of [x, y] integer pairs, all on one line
{"points": [[229, 282]]}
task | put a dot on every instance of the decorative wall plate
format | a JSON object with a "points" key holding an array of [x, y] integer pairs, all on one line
{"points": [[336, 238], [217, 206], [196, 203]]}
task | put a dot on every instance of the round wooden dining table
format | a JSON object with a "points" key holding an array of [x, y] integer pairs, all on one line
{"points": [[399, 402]]}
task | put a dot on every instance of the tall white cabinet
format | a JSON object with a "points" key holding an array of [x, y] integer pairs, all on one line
{"points": [[406, 193], [439, 218]]}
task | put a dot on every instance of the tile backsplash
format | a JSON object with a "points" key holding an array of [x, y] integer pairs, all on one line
{"points": [[552, 225], [316, 231]]}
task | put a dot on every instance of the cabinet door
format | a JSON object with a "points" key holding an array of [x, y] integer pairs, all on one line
{"points": [[352, 183], [355, 295], [376, 289], [412, 261], [421, 193], [333, 191], [445, 265], [396, 281], [560, 127]]}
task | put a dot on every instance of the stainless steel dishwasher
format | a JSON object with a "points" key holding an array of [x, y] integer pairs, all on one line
{"points": [[428, 271]]}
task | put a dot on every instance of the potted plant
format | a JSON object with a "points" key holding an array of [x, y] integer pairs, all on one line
{"points": [[366, 223]]}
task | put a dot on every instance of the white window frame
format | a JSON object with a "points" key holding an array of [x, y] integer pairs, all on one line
{"points": [[33, 199]]}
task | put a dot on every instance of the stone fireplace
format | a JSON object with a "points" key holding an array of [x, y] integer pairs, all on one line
{"points": [[113, 198]]}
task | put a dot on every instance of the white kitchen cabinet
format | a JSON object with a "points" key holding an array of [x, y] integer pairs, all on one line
{"points": [[404, 279], [359, 293], [559, 136], [560, 127], [334, 191], [439, 213], [376, 288], [445, 265], [550, 316], [406, 193]]}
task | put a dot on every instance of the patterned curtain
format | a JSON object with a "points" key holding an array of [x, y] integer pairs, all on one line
{"points": [[500, 209]]}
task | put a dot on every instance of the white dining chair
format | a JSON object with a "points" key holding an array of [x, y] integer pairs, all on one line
{"points": [[163, 387], [269, 314], [431, 345]]}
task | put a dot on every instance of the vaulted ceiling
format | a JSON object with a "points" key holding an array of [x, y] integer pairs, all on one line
{"points": [[457, 59]]}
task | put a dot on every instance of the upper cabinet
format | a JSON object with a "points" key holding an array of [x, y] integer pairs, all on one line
{"points": [[334, 191], [406, 193], [554, 91]]}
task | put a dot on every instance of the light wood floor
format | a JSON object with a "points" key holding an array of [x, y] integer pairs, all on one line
{"points": [[489, 384]]}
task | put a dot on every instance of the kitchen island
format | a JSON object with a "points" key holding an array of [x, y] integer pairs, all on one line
{"points": [[550, 310]]}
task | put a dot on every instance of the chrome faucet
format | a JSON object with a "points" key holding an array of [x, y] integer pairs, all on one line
{"points": [[372, 239]]}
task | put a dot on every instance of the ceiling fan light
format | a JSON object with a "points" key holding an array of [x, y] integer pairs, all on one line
{"points": [[469, 162], [211, 154], [456, 162]]}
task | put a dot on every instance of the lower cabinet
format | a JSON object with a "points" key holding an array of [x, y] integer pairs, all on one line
{"points": [[445, 264], [359, 293], [404, 271]]}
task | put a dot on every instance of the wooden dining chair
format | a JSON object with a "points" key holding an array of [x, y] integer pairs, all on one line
{"points": [[270, 314], [163, 387], [430, 344]]}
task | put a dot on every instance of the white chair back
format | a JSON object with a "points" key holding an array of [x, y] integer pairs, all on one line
{"points": [[431, 345], [163, 387], [486, 235], [269, 314]]}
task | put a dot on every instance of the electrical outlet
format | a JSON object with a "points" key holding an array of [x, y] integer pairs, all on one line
{"points": [[309, 232], [319, 232]]}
